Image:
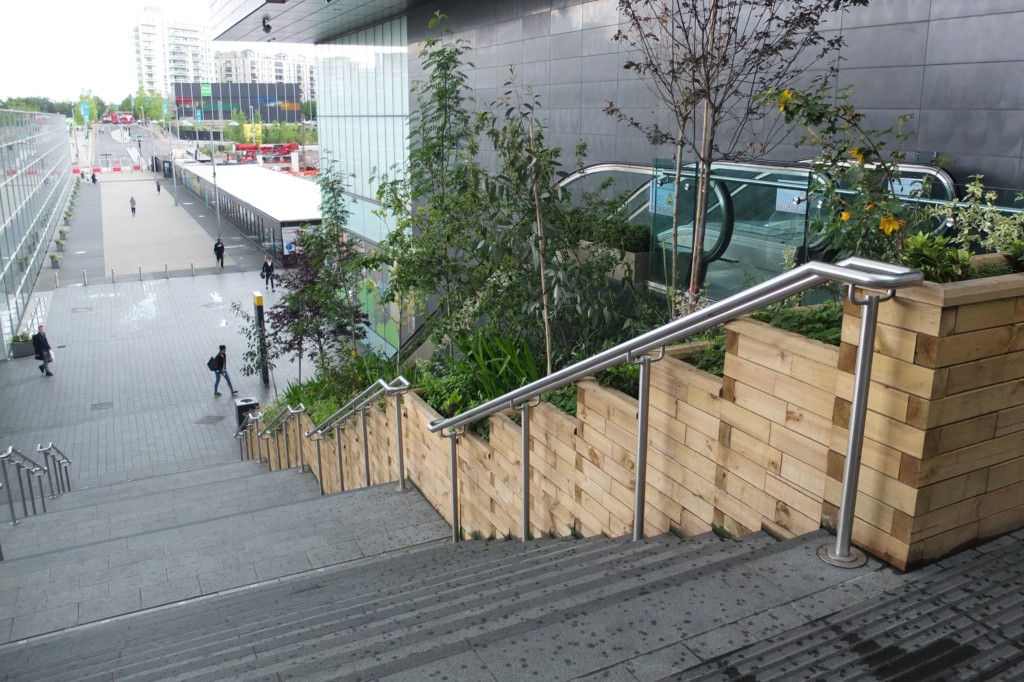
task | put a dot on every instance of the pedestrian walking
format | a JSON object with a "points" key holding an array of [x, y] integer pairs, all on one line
{"points": [[268, 273], [132, 202], [219, 364], [94, 178], [158, 187], [218, 252], [43, 351]]}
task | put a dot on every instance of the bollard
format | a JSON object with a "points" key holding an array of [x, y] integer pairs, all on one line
{"points": [[167, 275], [140, 273], [112, 280], [85, 278], [193, 266], [56, 281], [241, 264]]}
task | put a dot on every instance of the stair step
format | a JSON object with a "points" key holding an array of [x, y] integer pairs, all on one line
{"points": [[138, 515], [922, 629]]}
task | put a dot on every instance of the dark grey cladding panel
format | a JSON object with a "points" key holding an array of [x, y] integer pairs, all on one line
{"points": [[596, 94], [990, 38], [565, 96], [597, 41], [537, 49], [566, 20], [566, 45], [994, 85], [490, 77], [883, 12], [899, 45], [604, 67], [482, 57], [566, 70], [946, 9], [510, 53], [593, 120], [600, 147], [537, 25], [536, 73], [564, 121], [885, 87], [508, 31], [961, 132], [597, 14]]}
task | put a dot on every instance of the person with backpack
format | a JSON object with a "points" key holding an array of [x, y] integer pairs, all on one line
{"points": [[43, 351], [218, 364]]}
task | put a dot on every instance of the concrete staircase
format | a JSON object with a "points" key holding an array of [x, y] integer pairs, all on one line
{"points": [[378, 594]]}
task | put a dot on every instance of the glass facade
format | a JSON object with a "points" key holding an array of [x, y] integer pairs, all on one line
{"points": [[362, 113], [36, 157]]}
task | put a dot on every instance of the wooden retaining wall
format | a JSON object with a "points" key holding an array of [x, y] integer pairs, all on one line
{"points": [[763, 447]]}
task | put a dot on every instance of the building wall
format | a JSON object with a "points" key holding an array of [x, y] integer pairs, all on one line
{"points": [[952, 64], [170, 50], [35, 157], [248, 66]]}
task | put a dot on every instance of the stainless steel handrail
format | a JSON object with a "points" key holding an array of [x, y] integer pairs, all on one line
{"points": [[32, 470], [855, 272], [60, 467], [396, 388], [274, 424], [251, 419]]}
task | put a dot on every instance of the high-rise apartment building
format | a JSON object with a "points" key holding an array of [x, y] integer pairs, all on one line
{"points": [[249, 66], [170, 50]]}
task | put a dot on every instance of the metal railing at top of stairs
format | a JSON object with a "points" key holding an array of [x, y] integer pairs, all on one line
{"points": [[854, 272], [58, 463], [274, 428], [32, 470], [379, 388], [250, 422]]}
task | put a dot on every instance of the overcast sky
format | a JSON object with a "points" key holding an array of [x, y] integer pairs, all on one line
{"points": [[58, 48]]}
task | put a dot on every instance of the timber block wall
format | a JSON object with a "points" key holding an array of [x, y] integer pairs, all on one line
{"points": [[761, 448], [943, 464]]}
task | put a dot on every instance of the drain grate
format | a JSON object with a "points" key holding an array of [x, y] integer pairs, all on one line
{"points": [[210, 419], [81, 310], [96, 407]]}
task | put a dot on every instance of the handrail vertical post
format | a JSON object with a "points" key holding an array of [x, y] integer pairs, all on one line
{"points": [[525, 457], [287, 446], [277, 450], [366, 447], [319, 465], [843, 554], [31, 492], [42, 494], [10, 497], [67, 478], [337, 451], [399, 448], [642, 416], [49, 470], [21, 489], [453, 436]]}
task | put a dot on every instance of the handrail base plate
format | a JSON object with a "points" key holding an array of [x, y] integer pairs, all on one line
{"points": [[856, 559]]}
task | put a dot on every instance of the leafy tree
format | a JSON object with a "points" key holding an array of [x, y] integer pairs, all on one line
{"points": [[319, 311], [260, 349], [437, 200], [706, 60], [309, 110]]}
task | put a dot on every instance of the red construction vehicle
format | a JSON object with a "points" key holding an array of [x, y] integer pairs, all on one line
{"points": [[272, 153]]}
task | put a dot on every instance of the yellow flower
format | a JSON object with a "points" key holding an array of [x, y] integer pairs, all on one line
{"points": [[857, 154], [844, 216], [889, 223], [785, 97]]}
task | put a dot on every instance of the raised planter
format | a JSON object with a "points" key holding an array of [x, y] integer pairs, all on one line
{"points": [[22, 349]]}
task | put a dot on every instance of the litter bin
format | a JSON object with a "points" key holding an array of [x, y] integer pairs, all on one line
{"points": [[244, 406]]}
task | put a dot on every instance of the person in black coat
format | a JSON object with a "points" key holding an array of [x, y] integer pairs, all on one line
{"points": [[218, 251], [43, 352], [268, 273]]}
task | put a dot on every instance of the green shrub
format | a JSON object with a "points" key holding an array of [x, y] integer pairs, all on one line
{"points": [[936, 258]]}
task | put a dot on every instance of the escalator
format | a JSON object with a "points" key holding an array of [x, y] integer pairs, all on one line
{"points": [[758, 216]]}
